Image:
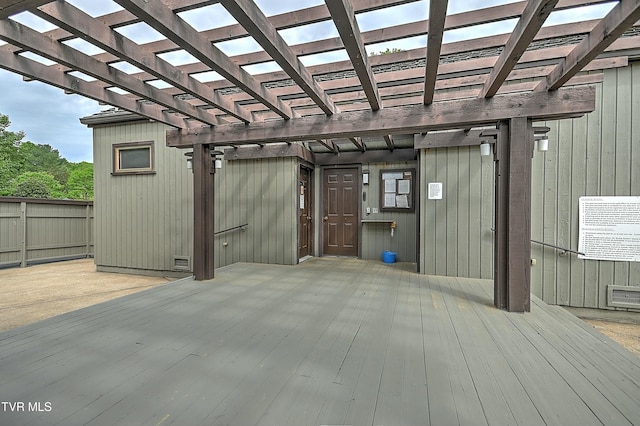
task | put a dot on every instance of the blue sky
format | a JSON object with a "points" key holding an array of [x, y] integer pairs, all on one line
{"points": [[48, 116]]}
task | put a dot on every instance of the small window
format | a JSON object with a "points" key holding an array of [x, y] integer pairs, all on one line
{"points": [[133, 158]]}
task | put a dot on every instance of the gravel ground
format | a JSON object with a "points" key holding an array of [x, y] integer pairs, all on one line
{"points": [[43, 291]]}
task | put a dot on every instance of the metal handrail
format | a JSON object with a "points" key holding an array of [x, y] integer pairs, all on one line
{"points": [[564, 250], [231, 229]]}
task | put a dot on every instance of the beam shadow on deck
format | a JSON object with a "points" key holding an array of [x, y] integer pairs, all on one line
{"points": [[330, 341]]}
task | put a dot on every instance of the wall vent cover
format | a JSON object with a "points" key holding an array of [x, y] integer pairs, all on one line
{"points": [[181, 263], [623, 296]]}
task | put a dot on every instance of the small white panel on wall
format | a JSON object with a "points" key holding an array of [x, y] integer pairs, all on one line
{"points": [[435, 190]]}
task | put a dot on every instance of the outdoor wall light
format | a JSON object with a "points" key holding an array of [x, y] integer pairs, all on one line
{"points": [[217, 162], [485, 148], [189, 156], [543, 144]]}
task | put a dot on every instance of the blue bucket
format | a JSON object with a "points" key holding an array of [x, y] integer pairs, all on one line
{"points": [[389, 256]]}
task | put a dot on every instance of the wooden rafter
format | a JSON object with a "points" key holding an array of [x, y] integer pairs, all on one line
{"points": [[409, 119], [437, 16], [621, 17], [388, 139], [35, 70], [161, 18], [23, 36], [345, 20], [358, 143], [258, 26], [77, 22], [534, 15], [11, 7], [329, 144]]}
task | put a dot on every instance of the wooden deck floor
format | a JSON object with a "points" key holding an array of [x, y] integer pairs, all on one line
{"points": [[330, 341]]}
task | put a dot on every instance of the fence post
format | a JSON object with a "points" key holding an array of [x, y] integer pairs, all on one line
{"points": [[87, 231], [23, 244]]}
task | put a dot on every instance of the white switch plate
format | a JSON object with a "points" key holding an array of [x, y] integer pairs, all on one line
{"points": [[375, 210]]}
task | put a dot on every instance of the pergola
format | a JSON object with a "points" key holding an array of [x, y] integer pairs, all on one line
{"points": [[506, 82]]}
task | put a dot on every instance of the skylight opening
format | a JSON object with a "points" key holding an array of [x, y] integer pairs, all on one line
{"points": [[324, 58], [140, 33], [159, 84], [392, 16], [401, 44], [459, 6], [178, 57], [84, 46], [208, 17], [96, 8], [82, 76], [262, 68], [579, 14], [37, 58], [118, 90], [205, 77], [311, 32], [126, 67], [239, 46], [30, 20], [482, 30], [270, 7]]}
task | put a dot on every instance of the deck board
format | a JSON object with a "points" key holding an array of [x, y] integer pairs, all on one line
{"points": [[330, 341]]}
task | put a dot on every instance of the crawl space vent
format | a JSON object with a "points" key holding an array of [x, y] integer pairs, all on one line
{"points": [[624, 296], [181, 263]]}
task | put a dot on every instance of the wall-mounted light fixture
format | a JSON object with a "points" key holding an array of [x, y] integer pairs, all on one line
{"points": [[217, 162], [543, 144], [485, 148]]}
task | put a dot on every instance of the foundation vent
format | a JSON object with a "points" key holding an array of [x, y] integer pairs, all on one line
{"points": [[623, 296], [181, 263]]}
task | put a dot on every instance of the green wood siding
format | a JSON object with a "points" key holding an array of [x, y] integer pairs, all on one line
{"points": [[144, 221], [597, 154], [376, 237]]}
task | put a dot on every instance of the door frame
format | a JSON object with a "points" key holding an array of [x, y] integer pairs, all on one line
{"points": [[311, 209], [321, 200]]}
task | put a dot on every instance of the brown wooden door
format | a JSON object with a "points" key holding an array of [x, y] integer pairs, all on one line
{"points": [[305, 227], [341, 218]]}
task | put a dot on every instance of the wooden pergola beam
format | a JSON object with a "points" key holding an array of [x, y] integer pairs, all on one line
{"points": [[160, 17], [437, 17], [23, 36], [388, 139], [11, 7], [345, 20], [260, 28], [329, 144], [621, 17], [399, 120], [77, 22], [534, 15], [358, 143], [37, 71]]}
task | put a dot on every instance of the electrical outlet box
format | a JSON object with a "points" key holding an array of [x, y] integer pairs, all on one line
{"points": [[375, 210]]}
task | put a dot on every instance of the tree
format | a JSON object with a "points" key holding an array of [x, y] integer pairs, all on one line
{"points": [[43, 158], [10, 160], [36, 185], [80, 183], [386, 51]]}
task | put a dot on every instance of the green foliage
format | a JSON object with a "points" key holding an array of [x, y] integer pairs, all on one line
{"points": [[80, 183], [36, 185], [34, 170], [386, 51]]}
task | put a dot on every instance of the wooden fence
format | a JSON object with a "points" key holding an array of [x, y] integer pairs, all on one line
{"points": [[39, 231]]}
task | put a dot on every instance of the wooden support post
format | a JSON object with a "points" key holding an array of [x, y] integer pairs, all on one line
{"points": [[203, 213], [512, 267], [23, 235]]}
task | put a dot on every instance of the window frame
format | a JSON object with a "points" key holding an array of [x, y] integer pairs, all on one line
{"points": [[120, 147]]}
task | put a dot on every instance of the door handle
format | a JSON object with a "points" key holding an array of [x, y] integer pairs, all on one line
{"points": [[326, 218]]}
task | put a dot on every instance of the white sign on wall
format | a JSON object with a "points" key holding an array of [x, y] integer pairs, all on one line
{"points": [[610, 228]]}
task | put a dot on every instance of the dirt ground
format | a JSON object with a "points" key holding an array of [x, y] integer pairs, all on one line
{"points": [[42, 291]]}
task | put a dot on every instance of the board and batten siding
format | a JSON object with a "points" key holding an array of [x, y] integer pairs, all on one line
{"points": [[144, 221], [594, 155], [141, 221], [376, 237]]}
